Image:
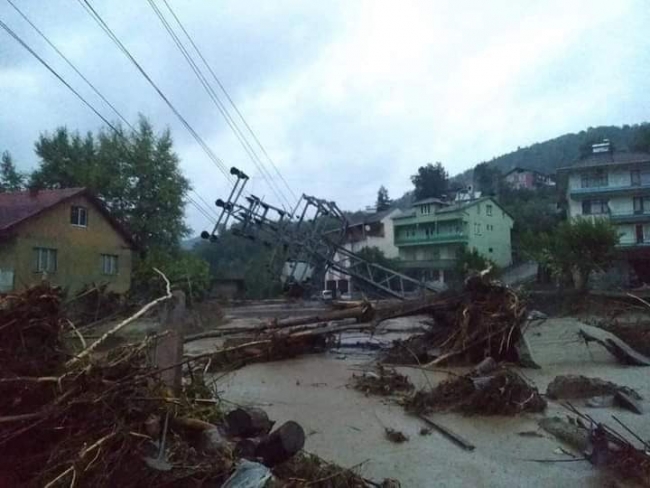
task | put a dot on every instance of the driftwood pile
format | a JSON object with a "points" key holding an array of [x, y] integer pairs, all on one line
{"points": [[502, 392], [604, 446], [485, 319], [105, 419], [383, 382]]}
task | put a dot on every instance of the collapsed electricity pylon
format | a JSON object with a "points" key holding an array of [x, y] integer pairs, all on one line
{"points": [[306, 242]]}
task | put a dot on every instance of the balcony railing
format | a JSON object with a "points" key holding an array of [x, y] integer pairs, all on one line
{"points": [[629, 217], [426, 263], [431, 239], [608, 190]]}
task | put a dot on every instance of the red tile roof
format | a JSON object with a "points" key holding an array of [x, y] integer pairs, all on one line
{"points": [[16, 207]]}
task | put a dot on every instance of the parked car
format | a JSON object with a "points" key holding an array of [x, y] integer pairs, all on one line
{"points": [[326, 295]]}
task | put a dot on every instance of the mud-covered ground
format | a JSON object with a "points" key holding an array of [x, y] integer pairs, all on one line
{"points": [[348, 428]]}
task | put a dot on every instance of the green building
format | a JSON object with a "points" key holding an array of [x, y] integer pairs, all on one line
{"points": [[430, 236]]}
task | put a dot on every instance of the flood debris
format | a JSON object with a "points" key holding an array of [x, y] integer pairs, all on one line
{"points": [[382, 381], [604, 446], [395, 436], [618, 348], [86, 417], [485, 319], [569, 387], [448, 433], [502, 393]]}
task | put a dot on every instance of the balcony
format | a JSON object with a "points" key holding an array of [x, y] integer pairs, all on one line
{"points": [[426, 264], [629, 218], [609, 190], [432, 239]]}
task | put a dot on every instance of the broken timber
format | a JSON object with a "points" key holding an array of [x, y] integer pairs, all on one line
{"points": [[452, 436], [619, 349]]}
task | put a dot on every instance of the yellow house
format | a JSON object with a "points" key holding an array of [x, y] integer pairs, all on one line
{"points": [[65, 236]]}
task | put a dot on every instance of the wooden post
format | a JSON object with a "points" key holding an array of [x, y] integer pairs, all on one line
{"points": [[169, 349]]}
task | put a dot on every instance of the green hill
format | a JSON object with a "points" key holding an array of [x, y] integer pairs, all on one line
{"points": [[564, 150]]}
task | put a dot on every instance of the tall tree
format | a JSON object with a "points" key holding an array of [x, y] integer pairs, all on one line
{"points": [[430, 181], [487, 178], [383, 201], [641, 141], [10, 178], [136, 175]]}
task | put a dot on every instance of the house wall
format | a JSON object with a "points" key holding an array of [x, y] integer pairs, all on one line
{"points": [[79, 249], [493, 242]]}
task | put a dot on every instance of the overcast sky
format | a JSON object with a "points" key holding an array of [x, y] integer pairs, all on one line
{"points": [[344, 95]]}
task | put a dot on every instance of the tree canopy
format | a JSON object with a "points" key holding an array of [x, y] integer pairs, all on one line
{"points": [[430, 181], [135, 174], [487, 178], [10, 178], [576, 248], [383, 201]]}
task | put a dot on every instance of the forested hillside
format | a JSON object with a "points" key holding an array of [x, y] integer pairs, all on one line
{"points": [[549, 155]]}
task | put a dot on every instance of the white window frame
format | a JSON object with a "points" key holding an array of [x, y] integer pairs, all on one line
{"points": [[46, 260], [488, 210], [110, 264], [77, 211]]}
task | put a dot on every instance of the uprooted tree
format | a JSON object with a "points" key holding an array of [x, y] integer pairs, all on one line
{"points": [[576, 249]]}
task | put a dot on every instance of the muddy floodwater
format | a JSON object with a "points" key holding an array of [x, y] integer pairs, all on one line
{"points": [[347, 427]]}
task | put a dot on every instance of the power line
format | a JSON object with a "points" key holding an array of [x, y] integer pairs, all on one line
{"points": [[89, 105], [100, 21], [59, 77], [24, 16], [220, 106], [223, 89]]}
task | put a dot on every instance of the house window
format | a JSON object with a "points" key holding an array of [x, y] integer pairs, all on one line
{"points": [[594, 207], [638, 205], [635, 177], [477, 228], [488, 210], [79, 216], [425, 209], [593, 180], [44, 260], [490, 249], [109, 264]]}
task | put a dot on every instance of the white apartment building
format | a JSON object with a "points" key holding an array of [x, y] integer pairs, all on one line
{"points": [[374, 230], [615, 186]]}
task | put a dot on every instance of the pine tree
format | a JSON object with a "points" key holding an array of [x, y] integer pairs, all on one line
{"points": [[383, 201], [10, 179]]}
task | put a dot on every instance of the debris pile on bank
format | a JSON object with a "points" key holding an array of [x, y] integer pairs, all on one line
{"points": [[602, 445], [383, 381], [502, 392], [484, 319], [107, 419]]}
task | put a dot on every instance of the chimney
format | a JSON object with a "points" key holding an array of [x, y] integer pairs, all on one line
{"points": [[601, 147]]}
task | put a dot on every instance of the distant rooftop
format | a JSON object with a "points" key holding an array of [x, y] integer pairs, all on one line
{"points": [[609, 159], [424, 201]]}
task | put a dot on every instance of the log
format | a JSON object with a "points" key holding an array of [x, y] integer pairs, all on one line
{"points": [[363, 314], [248, 422], [452, 436], [622, 399], [282, 444]]}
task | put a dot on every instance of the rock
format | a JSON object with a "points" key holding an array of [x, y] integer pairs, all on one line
{"points": [[537, 315], [574, 386], [212, 441], [484, 367], [626, 401], [249, 475], [602, 401]]}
